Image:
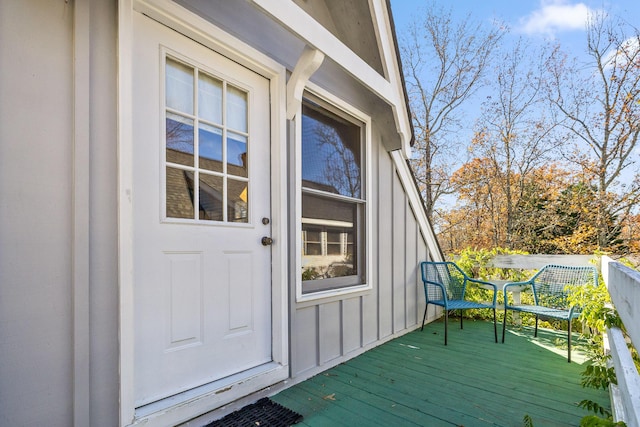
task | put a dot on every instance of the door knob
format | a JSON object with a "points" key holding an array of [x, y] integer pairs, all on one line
{"points": [[266, 241]]}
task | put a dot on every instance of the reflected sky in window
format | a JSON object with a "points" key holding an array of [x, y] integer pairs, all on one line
{"points": [[330, 154]]}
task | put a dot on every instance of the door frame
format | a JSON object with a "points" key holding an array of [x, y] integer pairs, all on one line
{"points": [[194, 403]]}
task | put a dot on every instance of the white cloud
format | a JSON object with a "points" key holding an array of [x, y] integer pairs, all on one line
{"points": [[554, 16], [629, 49]]}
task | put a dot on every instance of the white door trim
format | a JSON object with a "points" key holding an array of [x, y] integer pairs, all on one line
{"points": [[196, 28]]}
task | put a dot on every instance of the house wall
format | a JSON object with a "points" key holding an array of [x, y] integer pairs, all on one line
{"points": [[329, 331], [59, 303], [103, 221], [35, 227], [58, 266]]}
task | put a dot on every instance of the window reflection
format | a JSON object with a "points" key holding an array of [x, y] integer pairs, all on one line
{"points": [[237, 202], [332, 201], [331, 158], [237, 154], [179, 137], [210, 201], [206, 151], [179, 86], [236, 109], [328, 229], [179, 190], [210, 147], [210, 98]]}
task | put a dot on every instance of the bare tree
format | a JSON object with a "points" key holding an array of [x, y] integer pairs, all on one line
{"points": [[444, 64], [601, 103], [515, 131]]}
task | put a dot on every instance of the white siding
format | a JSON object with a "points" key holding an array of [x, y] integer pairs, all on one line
{"points": [[39, 88], [38, 269], [103, 272], [398, 225], [386, 179], [35, 227]]}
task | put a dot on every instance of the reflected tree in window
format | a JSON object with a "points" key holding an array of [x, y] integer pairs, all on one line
{"points": [[332, 201], [331, 154]]}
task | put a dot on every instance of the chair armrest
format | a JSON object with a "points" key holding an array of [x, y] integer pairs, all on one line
{"points": [[520, 284], [518, 287], [482, 282], [486, 285], [439, 285]]}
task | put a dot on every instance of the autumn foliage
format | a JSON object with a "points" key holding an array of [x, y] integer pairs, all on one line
{"points": [[554, 213]]}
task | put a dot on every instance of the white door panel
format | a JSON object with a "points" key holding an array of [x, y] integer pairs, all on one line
{"points": [[202, 284]]}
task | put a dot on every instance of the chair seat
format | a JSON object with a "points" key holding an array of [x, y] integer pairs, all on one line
{"points": [[461, 304], [551, 287], [539, 310]]}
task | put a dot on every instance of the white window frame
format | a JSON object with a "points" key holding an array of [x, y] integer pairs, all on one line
{"points": [[340, 107]]}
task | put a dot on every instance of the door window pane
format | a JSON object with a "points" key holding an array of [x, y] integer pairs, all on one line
{"points": [[180, 141], [210, 98], [237, 204], [211, 197], [210, 143], [179, 86], [237, 154], [179, 190], [236, 109], [209, 168]]}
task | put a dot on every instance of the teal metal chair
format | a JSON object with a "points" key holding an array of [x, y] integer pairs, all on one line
{"points": [[549, 287], [445, 285]]}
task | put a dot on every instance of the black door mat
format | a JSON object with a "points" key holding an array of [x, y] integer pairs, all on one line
{"points": [[263, 413]]}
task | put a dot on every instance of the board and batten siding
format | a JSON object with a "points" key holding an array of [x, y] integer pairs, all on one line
{"points": [[36, 134], [327, 332], [58, 213]]}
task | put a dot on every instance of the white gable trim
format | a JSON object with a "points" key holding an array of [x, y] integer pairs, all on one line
{"points": [[314, 34], [416, 204], [308, 63], [392, 68]]}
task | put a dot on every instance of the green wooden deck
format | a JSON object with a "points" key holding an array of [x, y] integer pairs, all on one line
{"points": [[415, 380]]}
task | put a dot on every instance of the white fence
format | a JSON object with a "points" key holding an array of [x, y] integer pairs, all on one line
{"points": [[624, 287]]}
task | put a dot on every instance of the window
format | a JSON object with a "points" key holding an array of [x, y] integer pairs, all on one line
{"points": [[333, 200], [206, 137]]}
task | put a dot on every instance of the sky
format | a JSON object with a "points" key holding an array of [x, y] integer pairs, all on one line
{"points": [[537, 21], [561, 20]]}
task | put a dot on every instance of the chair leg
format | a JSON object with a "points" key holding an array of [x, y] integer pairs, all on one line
{"points": [[504, 323], [495, 328], [569, 342], [424, 317], [446, 322], [536, 332], [461, 317]]}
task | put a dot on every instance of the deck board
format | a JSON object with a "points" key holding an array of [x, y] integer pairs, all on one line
{"points": [[415, 380]]}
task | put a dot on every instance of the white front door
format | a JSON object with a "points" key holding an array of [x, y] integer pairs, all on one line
{"points": [[201, 203]]}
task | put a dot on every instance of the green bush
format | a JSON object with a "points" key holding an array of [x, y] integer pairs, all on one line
{"points": [[477, 264]]}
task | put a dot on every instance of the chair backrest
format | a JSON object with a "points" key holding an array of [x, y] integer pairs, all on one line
{"points": [[551, 282], [448, 274]]}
